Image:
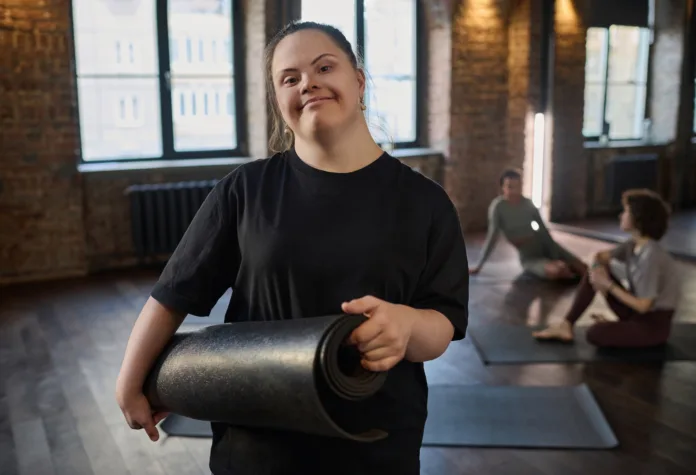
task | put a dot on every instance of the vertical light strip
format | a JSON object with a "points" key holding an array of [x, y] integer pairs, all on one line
{"points": [[538, 160]]}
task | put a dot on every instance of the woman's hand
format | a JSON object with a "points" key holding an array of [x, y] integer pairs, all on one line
{"points": [[600, 280], [139, 415], [384, 337]]}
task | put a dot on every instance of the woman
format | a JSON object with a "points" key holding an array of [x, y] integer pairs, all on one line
{"points": [[645, 306], [520, 222], [329, 224]]}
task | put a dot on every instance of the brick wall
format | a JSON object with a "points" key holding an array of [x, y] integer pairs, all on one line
{"points": [[41, 213], [478, 112], [567, 171], [524, 61]]}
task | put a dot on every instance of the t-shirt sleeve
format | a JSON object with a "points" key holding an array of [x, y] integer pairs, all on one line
{"points": [[205, 262], [646, 278], [620, 252], [444, 283]]}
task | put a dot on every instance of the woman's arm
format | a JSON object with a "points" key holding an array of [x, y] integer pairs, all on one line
{"points": [[640, 305], [431, 334], [152, 330]]}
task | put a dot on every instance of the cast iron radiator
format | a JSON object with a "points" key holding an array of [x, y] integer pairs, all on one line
{"points": [[161, 213], [630, 171]]}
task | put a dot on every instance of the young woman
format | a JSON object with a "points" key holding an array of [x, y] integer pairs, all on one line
{"points": [[331, 223], [520, 222], [646, 302]]}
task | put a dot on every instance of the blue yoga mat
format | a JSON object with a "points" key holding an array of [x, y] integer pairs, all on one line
{"points": [[513, 344], [516, 417], [493, 416]]}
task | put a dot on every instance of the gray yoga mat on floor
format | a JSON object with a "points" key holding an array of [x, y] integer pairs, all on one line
{"points": [[514, 344], [516, 417], [492, 416]]}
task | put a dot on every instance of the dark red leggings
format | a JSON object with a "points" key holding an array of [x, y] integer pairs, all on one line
{"points": [[633, 330]]}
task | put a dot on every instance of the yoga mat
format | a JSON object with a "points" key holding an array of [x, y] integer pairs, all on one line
{"points": [[516, 417], [514, 344], [494, 416], [294, 375]]}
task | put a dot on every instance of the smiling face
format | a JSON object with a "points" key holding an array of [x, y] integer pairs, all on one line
{"points": [[317, 88]]}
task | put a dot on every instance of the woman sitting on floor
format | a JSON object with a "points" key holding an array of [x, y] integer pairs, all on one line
{"points": [[646, 305]]}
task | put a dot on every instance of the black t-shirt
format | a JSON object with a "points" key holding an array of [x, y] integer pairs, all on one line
{"points": [[294, 241]]}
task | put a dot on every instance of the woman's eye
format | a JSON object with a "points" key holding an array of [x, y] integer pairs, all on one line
{"points": [[324, 69], [288, 80]]}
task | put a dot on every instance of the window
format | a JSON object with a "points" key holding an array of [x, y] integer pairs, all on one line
{"points": [[385, 33], [616, 73], [150, 98]]}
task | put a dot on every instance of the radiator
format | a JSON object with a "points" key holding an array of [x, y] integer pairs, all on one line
{"points": [[161, 213], [630, 171]]}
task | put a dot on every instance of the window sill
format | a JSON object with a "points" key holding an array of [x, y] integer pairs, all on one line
{"points": [[623, 144], [161, 165], [415, 152]]}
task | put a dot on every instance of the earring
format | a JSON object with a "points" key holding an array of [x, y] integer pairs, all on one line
{"points": [[287, 130], [362, 105]]}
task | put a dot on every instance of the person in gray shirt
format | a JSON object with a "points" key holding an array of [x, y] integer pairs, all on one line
{"points": [[516, 217], [638, 278]]}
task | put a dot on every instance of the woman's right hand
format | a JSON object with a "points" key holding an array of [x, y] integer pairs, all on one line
{"points": [[139, 414]]}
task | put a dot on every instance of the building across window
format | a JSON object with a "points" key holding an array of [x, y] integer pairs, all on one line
{"points": [[385, 34], [150, 98], [616, 75]]}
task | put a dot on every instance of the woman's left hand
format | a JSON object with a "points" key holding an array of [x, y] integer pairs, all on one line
{"points": [[384, 337], [599, 278]]}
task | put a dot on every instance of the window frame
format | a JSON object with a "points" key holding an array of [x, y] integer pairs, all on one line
{"points": [[166, 112], [605, 83], [421, 75]]}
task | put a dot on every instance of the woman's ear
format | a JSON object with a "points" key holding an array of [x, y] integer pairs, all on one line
{"points": [[361, 81]]}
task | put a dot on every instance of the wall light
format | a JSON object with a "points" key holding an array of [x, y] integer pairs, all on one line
{"points": [[538, 160]]}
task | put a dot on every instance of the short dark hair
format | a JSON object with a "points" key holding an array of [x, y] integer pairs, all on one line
{"points": [[512, 173], [649, 211]]}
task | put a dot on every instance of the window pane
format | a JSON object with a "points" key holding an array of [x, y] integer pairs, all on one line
{"points": [[337, 13], [117, 79], [596, 61], [202, 71], [594, 103], [628, 54], [390, 60], [626, 111]]}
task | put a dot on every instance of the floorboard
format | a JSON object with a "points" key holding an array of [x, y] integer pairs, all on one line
{"points": [[61, 345]]}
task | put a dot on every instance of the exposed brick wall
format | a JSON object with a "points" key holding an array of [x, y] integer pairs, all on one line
{"points": [[568, 163], [524, 61], [479, 101], [41, 213]]}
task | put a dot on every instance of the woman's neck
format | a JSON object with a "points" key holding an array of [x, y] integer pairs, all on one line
{"points": [[345, 152]]}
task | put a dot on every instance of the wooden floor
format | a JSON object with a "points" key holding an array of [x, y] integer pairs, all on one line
{"points": [[680, 238], [61, 346]]}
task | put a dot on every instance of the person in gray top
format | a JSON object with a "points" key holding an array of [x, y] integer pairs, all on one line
{"points": [[516, 217], [638, 278]]}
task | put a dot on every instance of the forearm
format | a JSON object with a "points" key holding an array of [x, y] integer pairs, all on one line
{"points": [[152, 331], [431, 334], [488, 245], [638, 304]]}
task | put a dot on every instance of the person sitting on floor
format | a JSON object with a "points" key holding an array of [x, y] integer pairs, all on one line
{"points": [[646, 306], [520, 222]]}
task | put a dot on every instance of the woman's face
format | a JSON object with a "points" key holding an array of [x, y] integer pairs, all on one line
{"points": [[626, 220], [316, 86]]}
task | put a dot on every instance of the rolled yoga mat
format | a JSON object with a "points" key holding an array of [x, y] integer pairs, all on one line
{"points": [[293, 375]]}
